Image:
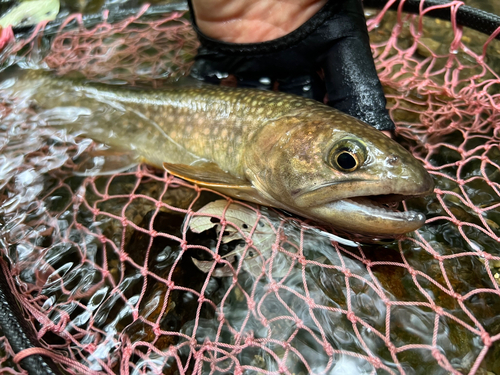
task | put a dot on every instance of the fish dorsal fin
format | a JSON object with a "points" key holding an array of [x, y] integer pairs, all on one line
{"points": [[207, 174]]}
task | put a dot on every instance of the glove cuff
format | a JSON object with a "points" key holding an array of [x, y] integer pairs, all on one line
{"points": [[275, 45]]}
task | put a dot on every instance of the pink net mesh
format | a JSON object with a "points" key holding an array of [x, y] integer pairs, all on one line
{"points": [[141, 272]]}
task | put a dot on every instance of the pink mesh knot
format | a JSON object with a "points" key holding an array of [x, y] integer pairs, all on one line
{"points": [[249, 341], [352, 317], [105, 197], [251, 304], [124, 222], [235, 279], [217, 258], [273, 286], [95, 211], [283, 369], [486, 339], [184, 245], [139, 174], [302, 260], [221, 317], [485, 255], [202, 299], [376, 362], [367, 262], [78, 226], [128, 351], [282, 237], [90, 348], [391, 347], [275, 247], [144, 272], [153, 233], [439, 310], [238, 370], [436, 353], [208, 345], [412, 272], [123, 256], [438, 257], [310, 302], [102, 238], [328, 350], [158, 204], [249, 241], [299, 323], [457, 296], [223, 221], [172, 351], [346, 272]]}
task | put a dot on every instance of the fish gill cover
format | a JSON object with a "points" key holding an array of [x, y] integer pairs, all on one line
{"points": [[140, 272]]}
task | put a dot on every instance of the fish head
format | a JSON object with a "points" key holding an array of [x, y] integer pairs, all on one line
{"points": [[336, 169]]}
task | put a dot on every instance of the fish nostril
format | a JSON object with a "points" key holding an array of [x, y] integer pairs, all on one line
{"points": [[392, 159]]}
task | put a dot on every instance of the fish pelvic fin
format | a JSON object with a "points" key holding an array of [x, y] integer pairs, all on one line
{"points": [[211, 176], [206, 174]]}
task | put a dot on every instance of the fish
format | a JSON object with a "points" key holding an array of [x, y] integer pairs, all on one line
{"points": [[265, 147]]}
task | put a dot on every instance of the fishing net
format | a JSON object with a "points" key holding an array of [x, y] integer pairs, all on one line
{"points": [[143, 273]]}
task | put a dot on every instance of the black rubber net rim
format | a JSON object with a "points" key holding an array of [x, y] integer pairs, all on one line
{"points": [[14, 326]]}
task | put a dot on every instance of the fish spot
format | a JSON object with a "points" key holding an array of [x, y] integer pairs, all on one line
{"points": [[392, 159], [224, 133], [206, 131]]}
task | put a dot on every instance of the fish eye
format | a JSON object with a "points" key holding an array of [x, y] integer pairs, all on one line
{"points": [[347, 155]]}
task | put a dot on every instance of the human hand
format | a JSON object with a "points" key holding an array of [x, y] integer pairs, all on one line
{"points": [[293, 47]]}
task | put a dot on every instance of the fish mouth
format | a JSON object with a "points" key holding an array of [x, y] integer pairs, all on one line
{"points": [[386, 205], [375, 215]]}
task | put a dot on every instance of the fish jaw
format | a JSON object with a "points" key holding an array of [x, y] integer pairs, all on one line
{"points": [[365, 218]]}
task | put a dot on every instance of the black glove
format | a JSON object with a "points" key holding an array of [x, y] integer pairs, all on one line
{"points": [[333, 43]]}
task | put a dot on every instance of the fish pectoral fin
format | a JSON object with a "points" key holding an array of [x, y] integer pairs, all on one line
{"points": [[105, 162], [207, 174]]}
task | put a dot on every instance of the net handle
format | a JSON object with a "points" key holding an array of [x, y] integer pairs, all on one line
{"points": [[477, 19]]}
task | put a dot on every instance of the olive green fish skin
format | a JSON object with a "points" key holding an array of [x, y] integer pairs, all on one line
{"points": [[280, 145]]}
